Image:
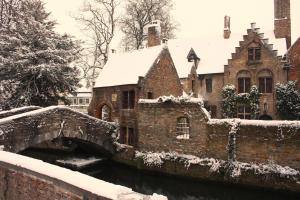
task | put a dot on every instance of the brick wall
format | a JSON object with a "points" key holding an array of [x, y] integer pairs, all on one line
{"points": [[254, 143], [257, 143], [20, 185], [162, 78], [23, 178], [282, 21], [294, 56], [157, 127]]}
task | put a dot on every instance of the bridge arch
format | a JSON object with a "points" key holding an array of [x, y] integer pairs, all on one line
{"points": [[22, 131]]}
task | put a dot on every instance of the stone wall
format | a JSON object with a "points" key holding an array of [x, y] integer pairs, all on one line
{"points": [[257, 141], [157, 125], [21, 131], [23, 178], [254, 141]]}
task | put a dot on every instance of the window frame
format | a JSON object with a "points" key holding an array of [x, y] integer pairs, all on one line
{"points": [[128, 99], [183, 128], [244, 114], [127, 135], [254, 54], [208, 85]]}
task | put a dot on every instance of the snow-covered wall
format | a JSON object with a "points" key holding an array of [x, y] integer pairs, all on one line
{"points": [[27, 179], [248, 141], [256, 141], [17, 111], [21, 131]]}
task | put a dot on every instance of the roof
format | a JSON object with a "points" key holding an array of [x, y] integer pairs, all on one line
{"points": [[213, 51], [125, 68]]}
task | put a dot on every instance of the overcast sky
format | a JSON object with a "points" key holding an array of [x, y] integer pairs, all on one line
{"points": [[196, 17]]}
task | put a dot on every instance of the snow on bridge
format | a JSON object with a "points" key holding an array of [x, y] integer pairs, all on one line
{"points": [[20, 131]]}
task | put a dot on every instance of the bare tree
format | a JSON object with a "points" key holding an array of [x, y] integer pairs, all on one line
{"points": [[139, 13], [99, 20]]}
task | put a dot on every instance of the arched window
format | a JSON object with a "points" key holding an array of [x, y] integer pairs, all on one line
{"points": [[265, 81], [105, 113], [183, 128], [244, 81]]}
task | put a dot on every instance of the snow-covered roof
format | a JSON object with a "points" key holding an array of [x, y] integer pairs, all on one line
{"points": [[213, 51], [125, 68]]}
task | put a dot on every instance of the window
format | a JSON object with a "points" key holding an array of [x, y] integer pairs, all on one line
{"points": [[208, 85], [74, 101], [105, 113], [244, 85], [183, 128], [244, 82], [193, 86], [254, 54], [87, 101], [127, 136], [128, 99], [80, 101], [244, 112], [149, 95], [265, 81]]}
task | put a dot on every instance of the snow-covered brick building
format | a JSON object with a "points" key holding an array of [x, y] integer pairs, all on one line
{"points": [[198, 67]]}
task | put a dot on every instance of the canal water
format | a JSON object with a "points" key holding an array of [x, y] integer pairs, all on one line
{"points": [[172, 187]]}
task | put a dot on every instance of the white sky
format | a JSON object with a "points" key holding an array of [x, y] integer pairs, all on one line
{"points": [[196, 17]]}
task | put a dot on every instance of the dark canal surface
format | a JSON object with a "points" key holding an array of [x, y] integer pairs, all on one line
{"points": [[173, 188]]}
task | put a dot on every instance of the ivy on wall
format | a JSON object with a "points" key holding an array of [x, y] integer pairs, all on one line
{"points": [[231, 100]]}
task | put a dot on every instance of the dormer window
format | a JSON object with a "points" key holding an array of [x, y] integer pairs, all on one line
{"points": [[254, 54]]}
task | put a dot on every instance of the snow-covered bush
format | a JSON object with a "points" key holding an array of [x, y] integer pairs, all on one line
{"points": [[288, 100]]}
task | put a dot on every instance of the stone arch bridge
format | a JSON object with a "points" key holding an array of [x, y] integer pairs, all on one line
{"points": [[26, 127]]}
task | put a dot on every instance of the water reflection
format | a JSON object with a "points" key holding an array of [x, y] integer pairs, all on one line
{"points": [[181, 189]]}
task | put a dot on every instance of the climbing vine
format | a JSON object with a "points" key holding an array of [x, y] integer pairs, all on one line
{"points": [[231, 99]]}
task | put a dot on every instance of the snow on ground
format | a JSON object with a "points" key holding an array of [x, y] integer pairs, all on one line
{"points": [[87, 183]]}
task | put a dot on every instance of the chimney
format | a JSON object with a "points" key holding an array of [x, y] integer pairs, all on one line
{"points": [[227, 31], [282, 20], [154, 30]]}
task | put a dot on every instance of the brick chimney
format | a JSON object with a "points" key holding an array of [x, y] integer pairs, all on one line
{"points": [[154, 37], [282, 20], [227, 31]]}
